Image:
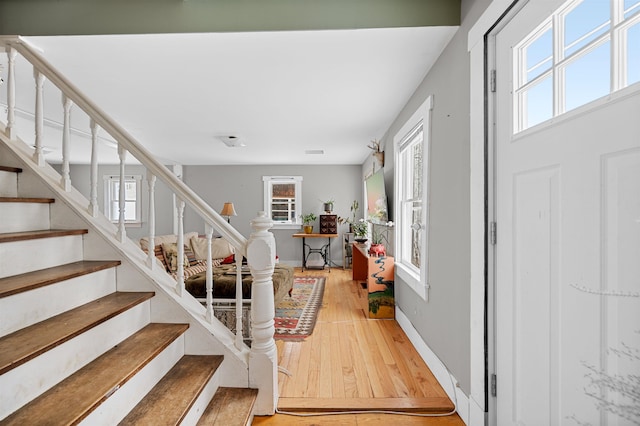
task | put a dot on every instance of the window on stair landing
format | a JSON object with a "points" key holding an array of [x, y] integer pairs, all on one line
{"points": [[283, 200], [132, 201]]}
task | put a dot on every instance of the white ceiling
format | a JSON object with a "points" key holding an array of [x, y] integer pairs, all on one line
{"points": [[281, 93]]}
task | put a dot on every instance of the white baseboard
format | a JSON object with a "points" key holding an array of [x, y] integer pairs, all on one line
{"points": [[448, 382]]}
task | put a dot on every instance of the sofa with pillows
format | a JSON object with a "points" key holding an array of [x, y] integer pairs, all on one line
{"points": [[223, 259]]}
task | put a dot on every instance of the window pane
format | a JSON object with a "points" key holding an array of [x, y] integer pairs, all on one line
{"points": [[633, 54], [115, 211], [631, 7], [416, 233], [130, 190], [416, 166], [115, 189], [588, 78], [538, 103], [130, 210], [585, 23], [283, 190], [539, 55]]}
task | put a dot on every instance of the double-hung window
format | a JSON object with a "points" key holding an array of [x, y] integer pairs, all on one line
{"points": [[132, 193], [283, 200], [411, 199]]}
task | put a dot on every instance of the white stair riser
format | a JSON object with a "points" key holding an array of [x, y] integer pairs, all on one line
{"points": [[123, 400], [24, 383], [50, 300], [20, 217], [202, 401], [18, 257], [8, 184]]}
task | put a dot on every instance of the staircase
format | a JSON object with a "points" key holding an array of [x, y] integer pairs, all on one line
{"points": [[82, 341]]}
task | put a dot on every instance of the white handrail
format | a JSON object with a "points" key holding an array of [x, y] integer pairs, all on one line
{"points": [[136, 149], [259, 248]]}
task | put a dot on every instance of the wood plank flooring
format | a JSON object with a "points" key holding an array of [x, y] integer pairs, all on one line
{"points": [[352, 363]]}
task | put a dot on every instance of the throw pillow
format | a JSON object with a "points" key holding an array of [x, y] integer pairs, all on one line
{"points": [[170, 251], [220, 248]]}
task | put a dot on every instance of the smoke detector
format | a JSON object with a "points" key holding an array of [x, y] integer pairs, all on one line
{"points": [[232, 141]]}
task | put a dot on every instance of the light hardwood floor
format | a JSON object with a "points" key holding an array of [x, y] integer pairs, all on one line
{"points": [[352, 363]]}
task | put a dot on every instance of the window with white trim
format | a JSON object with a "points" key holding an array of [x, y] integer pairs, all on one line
{"points": [[283, 200], [585, 50], [411, 199], [132, 201]]}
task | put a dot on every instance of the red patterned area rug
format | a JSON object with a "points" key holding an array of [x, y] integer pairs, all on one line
{"points": [[296, 315]]}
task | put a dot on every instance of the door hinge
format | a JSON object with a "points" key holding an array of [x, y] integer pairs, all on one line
{"points": [[492, 233], [494, 385], [492, 81]]}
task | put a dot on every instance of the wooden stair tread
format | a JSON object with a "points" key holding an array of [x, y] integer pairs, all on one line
{"points": [[170, 400], [44, 233], [31, 280], [439, 404], [26, 200], [230, 407], [10, 169], [75, 397], [25, 344]]}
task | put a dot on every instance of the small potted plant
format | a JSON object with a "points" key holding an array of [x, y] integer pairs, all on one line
{"points": [[307, 222], [379, 238], [360, 230], [328, 206]]}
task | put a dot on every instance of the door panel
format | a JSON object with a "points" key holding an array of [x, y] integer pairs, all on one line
{"points": [[567, 267]]}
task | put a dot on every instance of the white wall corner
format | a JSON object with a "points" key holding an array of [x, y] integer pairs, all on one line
{"points": [[437, 367]]}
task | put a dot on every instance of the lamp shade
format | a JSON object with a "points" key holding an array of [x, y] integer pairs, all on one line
{"points": [[228, 210]]}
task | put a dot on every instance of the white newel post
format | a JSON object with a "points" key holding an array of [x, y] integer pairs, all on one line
{"points": [[239, 327], [11, 92], [263, 359], [65, 180], [38, 155]]}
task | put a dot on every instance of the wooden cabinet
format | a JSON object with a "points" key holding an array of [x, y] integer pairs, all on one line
{"points": [[378, 272], [328, 224]]}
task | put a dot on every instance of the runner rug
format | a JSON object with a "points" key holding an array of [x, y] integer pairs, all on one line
{"points": [[296, 315]]}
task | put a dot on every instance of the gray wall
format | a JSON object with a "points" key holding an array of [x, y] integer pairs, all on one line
{"points": [[80, 177], [443, 321], [243, 186]]}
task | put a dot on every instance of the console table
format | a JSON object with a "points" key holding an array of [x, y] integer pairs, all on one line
{"points": [[378, 272], [324, 251]]}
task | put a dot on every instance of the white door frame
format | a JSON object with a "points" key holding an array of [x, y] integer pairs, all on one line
{"points": [[482, 202]]}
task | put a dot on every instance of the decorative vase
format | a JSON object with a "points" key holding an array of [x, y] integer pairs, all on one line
{"points": [[377, 250], [328, 207], [308, 229]]}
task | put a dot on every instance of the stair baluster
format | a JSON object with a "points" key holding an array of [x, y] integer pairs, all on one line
{"points": [[93, 197], [38, 156], [209, 274], [151, 180], [11, 92], [122, 232], [65, 181], [180, 272]]}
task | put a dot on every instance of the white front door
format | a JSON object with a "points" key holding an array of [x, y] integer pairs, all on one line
{"points": [[567, 270]]}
